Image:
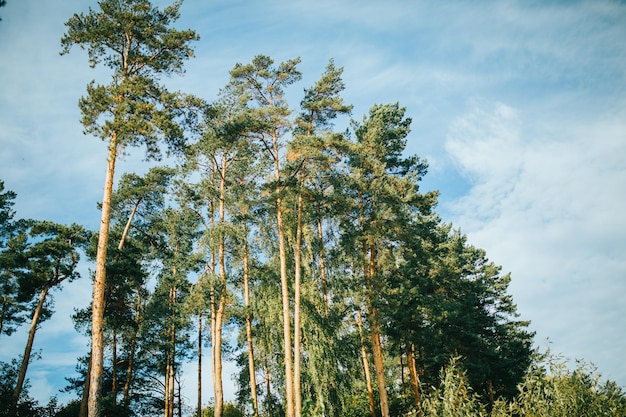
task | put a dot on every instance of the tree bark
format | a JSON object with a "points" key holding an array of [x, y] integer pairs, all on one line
{"points": [[296, 309], [131, 358], [172, 367], [97, 346], [84, 403], [199, 411], [27, 350], [377, 351], [415, 381], [114, 367], [322, 257], [366, 367], [284, 285], [219, 320], [246, 300]]}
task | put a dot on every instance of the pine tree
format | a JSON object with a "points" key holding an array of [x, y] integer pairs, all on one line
{"points": [[49, 258], [263, 84], [384, 192], [312, 153], [136, 42]]}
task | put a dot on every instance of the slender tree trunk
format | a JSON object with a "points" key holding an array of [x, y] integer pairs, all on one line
{"points": [[180, 400], [166, 385], [377, 351], [172, 387], [366, 367], [246, 300], [131, 357], [284, 285], [219, 318], [367, 278], [268, 389], [97, 346], [200, 316], [84, 403], [129, 222], [322, 258], [296, 308], [28, 349], [172, 369], [114, 368], [120, 246], [415, 381], [286, 310]]}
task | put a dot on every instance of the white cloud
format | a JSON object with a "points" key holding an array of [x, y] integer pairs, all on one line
{"points": [[550, 209]]}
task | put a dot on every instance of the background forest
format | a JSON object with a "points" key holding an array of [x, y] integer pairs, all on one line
{"points": [[292, 239]]}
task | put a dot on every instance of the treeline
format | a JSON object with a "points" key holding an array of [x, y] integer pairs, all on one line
{"points": [[305, 252]]}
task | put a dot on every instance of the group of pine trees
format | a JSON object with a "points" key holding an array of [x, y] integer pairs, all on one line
{"points": [[305, 253]]}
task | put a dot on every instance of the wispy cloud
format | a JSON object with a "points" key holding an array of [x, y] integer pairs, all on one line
{"points": [[551, 210]]}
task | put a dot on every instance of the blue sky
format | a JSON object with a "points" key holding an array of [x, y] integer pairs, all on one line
{"points": [[519, 107]]}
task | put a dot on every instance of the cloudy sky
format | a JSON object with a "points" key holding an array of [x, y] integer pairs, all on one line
{"points": [[519, 107]]}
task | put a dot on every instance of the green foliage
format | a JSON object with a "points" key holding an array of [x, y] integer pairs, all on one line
{"points": [[27, 406], [551, 389], [135, 40], [6, 212], [454, 396], [230, 410]]}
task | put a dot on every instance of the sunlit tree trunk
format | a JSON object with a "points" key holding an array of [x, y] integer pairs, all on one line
{"points": [[199, 406], [322, 259], [366, 367], [377, 350], [284, 285], [246, 300], [296, 313], [414, 376], [220, 296], [170, 368], [98, 304]]}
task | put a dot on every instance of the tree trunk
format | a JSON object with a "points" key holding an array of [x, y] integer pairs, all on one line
{"points": [[218, 389], [268, 389], [246, 300], [296, 309], [84, 403], [170, 360], [128, 224], [27, 351], [415, 381], [97, 346], [377, 350], [366, 367], [199, 411], [284, 285], [172, 369], [166, 385], [322, 257], [131, 358], [114, 367]]}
